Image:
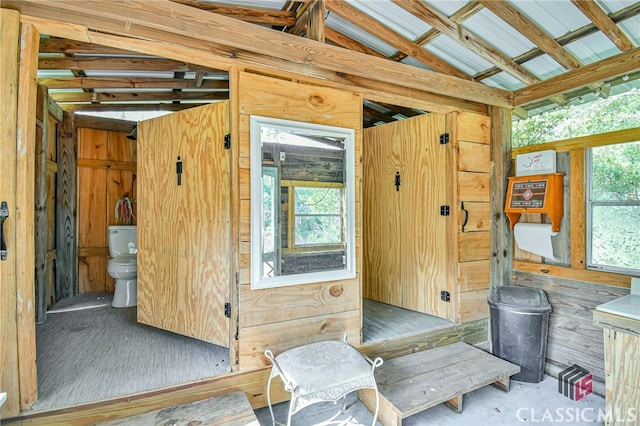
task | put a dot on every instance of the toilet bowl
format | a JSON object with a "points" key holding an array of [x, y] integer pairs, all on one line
{"points": [[123, 265]]}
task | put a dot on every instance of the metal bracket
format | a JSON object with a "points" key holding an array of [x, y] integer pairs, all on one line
{"points": [[179, 171], [227, 141], [397, 181], [444, 138], [445, 296], [227, 309], [445, 210], [4, 213]]}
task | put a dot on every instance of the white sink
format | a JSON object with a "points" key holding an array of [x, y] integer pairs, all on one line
{"points": [[626, 306]]}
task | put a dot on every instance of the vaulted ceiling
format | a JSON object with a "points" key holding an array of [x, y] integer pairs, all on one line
{"points": [[544, 53]]}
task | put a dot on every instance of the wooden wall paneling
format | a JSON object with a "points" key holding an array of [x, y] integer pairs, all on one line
{"points": [[280, 336], [473, 157], [623, 375], [296, 302], [52, 170], [473, 127], [479, 216], [473, 186], [40, 200], [66, 210], [25, 250], [472, 137], [473, 275], [265, 96], [9, 43], [572, 336]]}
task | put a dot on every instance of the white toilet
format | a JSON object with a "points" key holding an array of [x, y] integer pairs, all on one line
{"points": [[122, 265]]}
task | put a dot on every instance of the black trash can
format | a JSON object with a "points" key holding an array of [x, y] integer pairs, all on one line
{"points": [[519, 323]]}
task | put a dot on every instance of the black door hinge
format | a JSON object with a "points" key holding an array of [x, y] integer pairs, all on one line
{"points": [[227, 141], [227, 309], [444, 138], [445, 210], [445, 296], [397, 181]]}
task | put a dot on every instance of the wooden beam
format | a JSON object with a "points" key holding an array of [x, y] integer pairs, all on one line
{"points": [[119, 64], [74, 47], [459, 16], [315, 26], [25, 208], [598, 277], [600, 19], [75, 97], [512, 16], [280, 18], [40, 203], [128, 107], [9, 377], [347, 42], [130, 83], [102, 123], [179, 24], [469, 40], [370, 25], [407, 82], [570, 37], [583, 142], [602, 70]]}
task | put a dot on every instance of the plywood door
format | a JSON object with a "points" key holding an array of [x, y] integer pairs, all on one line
{"points": [[184, 230], [405, 238]]}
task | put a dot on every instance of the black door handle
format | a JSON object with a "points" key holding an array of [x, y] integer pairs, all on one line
{"points": [[4, 213]]}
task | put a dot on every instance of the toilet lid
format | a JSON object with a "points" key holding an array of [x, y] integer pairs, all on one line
{"points": [[123, 260]]}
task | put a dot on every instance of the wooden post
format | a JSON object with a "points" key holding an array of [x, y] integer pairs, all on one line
{"points": [[24, 252], [501, 241], [66, 190], [315, 27], [9, 382]]}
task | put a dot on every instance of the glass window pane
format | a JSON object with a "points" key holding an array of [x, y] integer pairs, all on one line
{"points": [[318, 230], [318, 200], [616, 175], [615, 236]]}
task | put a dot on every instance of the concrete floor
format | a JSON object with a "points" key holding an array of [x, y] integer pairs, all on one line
{"points": [[535, 403]]}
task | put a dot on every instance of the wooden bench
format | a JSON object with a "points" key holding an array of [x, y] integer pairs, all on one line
{"points": [[232, 409], [416, 382]]}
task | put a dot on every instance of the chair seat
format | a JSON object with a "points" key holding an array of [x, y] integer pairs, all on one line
{"points": [[322, 371], [325, 371]]}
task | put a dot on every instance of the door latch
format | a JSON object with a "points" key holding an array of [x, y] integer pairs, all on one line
{"points": [[4, 213], [179, 171]]}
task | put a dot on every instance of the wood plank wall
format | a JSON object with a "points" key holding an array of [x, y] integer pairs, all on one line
{"points": [[48, 116], [572, 337], [106, 171], [471, 135], [284, 317]]}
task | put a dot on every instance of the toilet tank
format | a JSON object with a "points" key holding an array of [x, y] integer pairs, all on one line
{"points": [[122, 240]]}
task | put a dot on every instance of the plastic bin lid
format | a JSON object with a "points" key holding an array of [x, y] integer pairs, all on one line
{"points": [[519, 299]]}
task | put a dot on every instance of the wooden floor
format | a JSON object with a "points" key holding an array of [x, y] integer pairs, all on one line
{"points": [[89, 351]]}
